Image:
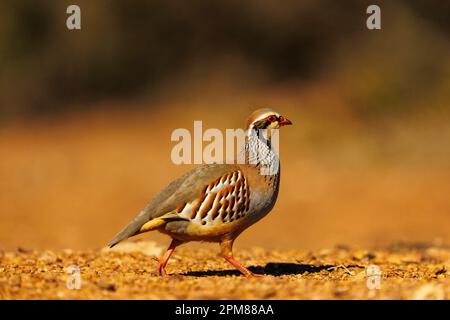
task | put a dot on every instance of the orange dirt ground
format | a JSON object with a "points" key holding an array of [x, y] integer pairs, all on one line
{"points": [[407, 272], [75, 180]]}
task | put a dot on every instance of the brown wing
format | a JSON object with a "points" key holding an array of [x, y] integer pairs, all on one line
{"points": [[185, 189], [225, 199]]}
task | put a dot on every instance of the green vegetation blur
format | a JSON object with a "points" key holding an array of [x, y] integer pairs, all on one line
{"points": [[129, 49]]}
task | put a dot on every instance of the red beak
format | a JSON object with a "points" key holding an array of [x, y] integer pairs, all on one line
{"points": [[284, 122]]}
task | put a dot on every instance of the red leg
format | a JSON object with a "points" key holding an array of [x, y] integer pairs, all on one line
{"points": [[161, 268], [227, 253]]}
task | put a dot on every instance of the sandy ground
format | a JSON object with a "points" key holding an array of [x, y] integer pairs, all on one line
{"points": [[75, 181], [407, 272]]}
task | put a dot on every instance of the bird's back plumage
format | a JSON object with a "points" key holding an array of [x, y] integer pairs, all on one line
{"points": [[183, 190]]}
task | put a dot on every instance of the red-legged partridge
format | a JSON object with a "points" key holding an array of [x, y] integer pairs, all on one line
{"points": [[215, 203]]}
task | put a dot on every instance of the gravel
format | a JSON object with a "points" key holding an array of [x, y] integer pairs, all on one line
{"points": [[128, 272]]}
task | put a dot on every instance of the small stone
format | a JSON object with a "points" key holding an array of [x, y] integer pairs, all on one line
{"points": [[104, 285]]}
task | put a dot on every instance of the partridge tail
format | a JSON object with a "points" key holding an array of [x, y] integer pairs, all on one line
{"points": [[140, 224]]}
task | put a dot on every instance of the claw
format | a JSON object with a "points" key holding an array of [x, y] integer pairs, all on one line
{"points": [[161, 271], [258, 275]]}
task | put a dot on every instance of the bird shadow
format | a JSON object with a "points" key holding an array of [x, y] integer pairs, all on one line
{"points": [[272, 269]]}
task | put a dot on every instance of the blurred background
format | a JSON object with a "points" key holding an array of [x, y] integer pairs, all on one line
{"points": [[86, 116]]}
